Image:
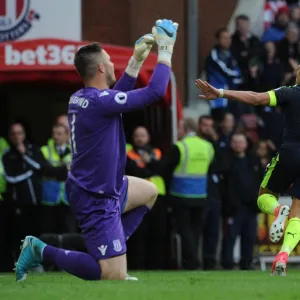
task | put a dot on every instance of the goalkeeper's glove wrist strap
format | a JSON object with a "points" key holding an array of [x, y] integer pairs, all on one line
{"points": [[133, 67], [164, 57]]}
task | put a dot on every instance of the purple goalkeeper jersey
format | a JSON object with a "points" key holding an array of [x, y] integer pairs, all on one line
{"points": [[97, 134]]}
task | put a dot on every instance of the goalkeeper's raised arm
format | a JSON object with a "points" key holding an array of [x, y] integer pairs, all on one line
{"points": [[165, 34]]}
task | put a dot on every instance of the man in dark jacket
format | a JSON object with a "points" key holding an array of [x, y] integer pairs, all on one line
{"points": [[288, 53], [246, 48], [243, 180], [213, 207], [222, 71], [147, 246], [24, 165]]}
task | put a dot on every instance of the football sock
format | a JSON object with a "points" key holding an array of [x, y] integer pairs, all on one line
{"points": [[267, 203], [79, 264], [291, 236], [132, 219]]}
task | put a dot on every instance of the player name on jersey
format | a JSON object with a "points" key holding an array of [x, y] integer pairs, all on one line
{"points": [[84, 103]]}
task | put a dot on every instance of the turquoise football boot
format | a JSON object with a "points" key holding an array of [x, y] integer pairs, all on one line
{"points": [[30, 256]]}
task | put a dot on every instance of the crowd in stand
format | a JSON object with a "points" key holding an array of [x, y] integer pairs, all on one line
{"points": [[233, 145]]}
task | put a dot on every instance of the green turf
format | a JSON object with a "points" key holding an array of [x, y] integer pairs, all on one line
{"points": [[156, 286]]}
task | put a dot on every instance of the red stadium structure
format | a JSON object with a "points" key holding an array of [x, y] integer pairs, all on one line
{"points": [[44, 61]]}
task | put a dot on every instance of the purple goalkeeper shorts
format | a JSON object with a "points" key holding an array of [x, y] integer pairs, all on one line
{"points": [[99, 219]]}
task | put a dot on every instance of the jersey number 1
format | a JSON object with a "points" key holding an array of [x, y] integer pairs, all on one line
{"points": [[73, 142]]}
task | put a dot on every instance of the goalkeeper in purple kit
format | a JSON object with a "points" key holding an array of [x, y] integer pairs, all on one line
{"points": [[108, 205]]}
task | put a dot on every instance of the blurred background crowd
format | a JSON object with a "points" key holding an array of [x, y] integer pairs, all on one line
{"points": [[187, 228]]}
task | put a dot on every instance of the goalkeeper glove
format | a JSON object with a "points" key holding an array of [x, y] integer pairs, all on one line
{"points": [[165, 33], [141, 51]]}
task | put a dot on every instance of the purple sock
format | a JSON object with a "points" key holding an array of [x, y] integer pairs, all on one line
{"points": [[132, 219], [79, 264]]}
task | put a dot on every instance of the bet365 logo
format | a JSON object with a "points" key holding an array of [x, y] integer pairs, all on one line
{"points": [[16, 17]]}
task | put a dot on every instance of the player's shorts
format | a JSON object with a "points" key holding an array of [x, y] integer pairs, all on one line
{"points": [[99, 219], [283, 172]]}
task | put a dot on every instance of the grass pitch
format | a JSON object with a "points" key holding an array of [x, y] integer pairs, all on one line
{"points": [[177, 285]]}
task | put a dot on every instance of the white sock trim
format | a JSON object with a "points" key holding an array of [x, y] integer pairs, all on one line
{"points": [[42, 252], [133, 67]]}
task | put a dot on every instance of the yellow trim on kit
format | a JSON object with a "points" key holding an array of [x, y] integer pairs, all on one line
{"points": [[273, 99], [270, 170]]}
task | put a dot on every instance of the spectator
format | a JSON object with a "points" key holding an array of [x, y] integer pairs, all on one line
{"points": [[246, 48], [271, 74], [56, 214], [23, 166], [295, 15], [186, 166], [271, 126], [249, 127], [128, 147], [147, 245], [290, 75], [63, 120], [241, 209], [4, 253], [264, 152], [3, 146], [276, 32], [206, 128], [222, 71], [288, 51], [270, 10], [226, 130], [212, 209]]}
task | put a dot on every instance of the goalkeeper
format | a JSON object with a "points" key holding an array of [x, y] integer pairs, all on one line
{"points": [[96, 187]]}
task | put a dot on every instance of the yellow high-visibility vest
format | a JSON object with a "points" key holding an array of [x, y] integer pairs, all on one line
{"points": [[190, 176]]}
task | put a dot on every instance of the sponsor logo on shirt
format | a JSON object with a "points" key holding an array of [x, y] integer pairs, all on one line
{"points": [[117, 245], [121, 98]]}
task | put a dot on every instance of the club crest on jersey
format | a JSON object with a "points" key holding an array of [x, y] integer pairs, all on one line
{"points": [[16, 17], [117, 245]]}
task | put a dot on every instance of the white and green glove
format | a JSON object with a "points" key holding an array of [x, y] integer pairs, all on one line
{"points": [[165, 33], [141, 51]]}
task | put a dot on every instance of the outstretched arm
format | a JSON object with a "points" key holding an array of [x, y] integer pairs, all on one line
{"points": [[248, 97]]}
